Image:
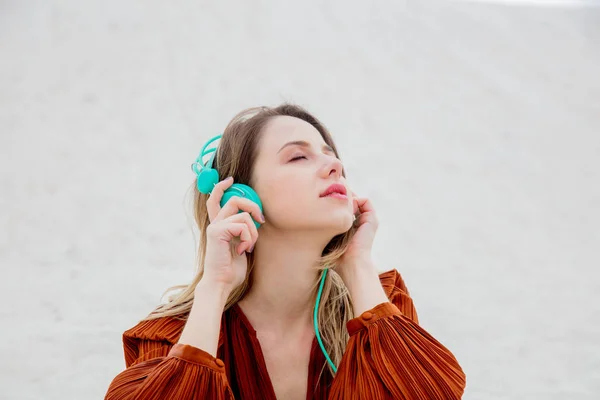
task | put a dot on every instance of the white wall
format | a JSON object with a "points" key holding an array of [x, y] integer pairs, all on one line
{"points": [[473, 127]]}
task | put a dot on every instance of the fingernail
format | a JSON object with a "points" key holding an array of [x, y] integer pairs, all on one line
{"points": [[252, 249], [262, 218], [229, 178]]}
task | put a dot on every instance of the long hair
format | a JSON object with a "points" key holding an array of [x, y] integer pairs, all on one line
{"points": [[235, 157]]}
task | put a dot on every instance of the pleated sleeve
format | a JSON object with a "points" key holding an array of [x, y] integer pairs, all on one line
{"points": [[389, 356], [157, 369]]}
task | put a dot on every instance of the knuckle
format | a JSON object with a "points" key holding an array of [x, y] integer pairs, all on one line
{"points": [[210, 229], [237, 200], [243, 201]]}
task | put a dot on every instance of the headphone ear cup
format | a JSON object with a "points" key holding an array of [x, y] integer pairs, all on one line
{"points": [[207, 179], [245, 191]]}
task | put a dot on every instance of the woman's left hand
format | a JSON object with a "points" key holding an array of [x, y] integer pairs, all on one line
{"points": [[357, 269], [358, 253]]}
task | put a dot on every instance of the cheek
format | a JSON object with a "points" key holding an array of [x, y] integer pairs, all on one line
{"points": [[286, 194], [288, 197]]}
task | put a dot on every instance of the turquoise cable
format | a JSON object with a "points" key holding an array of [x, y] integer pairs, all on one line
{"points": [[317, 324]]}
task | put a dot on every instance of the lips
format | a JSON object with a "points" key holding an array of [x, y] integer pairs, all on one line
{"points": [[335, 188]]}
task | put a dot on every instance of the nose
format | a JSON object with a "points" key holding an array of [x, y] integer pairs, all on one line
{"points": [[332, 166]]}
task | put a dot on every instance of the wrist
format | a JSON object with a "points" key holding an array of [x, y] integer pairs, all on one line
{"points": [[357, 269], [364, 286], [216, 292]]}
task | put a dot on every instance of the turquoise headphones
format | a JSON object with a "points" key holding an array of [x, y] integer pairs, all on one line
{"points": [[208, 177]]}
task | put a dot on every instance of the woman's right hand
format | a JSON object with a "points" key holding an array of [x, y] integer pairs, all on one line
{"points": [[229, 236]]}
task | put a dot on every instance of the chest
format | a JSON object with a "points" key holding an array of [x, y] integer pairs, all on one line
{"points": [[287, 364]]}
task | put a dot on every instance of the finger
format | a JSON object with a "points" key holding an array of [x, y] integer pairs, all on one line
{"points": [[354, 203], [213, 204], [245, 218], [367, 217], [245, 239], [227, 231], [235, 204], [364, 205]]}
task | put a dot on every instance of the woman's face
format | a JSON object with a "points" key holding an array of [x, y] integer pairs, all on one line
{"points": [[294, 166]]}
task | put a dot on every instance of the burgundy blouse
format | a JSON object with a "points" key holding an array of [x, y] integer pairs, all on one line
{"points": [[388, 356]]}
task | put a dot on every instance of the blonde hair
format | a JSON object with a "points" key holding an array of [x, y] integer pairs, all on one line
{"points": [[235, 157]]}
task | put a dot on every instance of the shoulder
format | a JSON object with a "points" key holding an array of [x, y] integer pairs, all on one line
{"points": [[392, 282], [395, 289], [164, 329], [151, 338]]}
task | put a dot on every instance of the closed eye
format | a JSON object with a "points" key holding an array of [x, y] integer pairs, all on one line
{"points": [[297, 158]]}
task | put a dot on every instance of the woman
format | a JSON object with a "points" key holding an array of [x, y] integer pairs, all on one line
{"points": [[244, 328]]}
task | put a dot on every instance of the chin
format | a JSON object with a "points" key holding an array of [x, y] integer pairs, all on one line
{"points": [[329, 225], [338, 224]]}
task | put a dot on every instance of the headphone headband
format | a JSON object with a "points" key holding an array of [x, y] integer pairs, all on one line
{"points": [[198, 166]]}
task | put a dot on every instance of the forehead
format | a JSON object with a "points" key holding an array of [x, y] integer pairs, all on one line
{"points": [[282, 129]]}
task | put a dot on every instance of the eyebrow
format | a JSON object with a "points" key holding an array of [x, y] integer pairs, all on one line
{"points": [[303, 143]]}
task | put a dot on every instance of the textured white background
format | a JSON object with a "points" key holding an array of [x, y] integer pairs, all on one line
{"points": [[473, 127]]}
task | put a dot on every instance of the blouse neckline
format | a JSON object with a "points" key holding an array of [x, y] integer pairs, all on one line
{"points": [[261, 362]]}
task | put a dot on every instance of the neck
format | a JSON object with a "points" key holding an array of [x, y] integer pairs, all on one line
{"points": [[284, 281]]}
